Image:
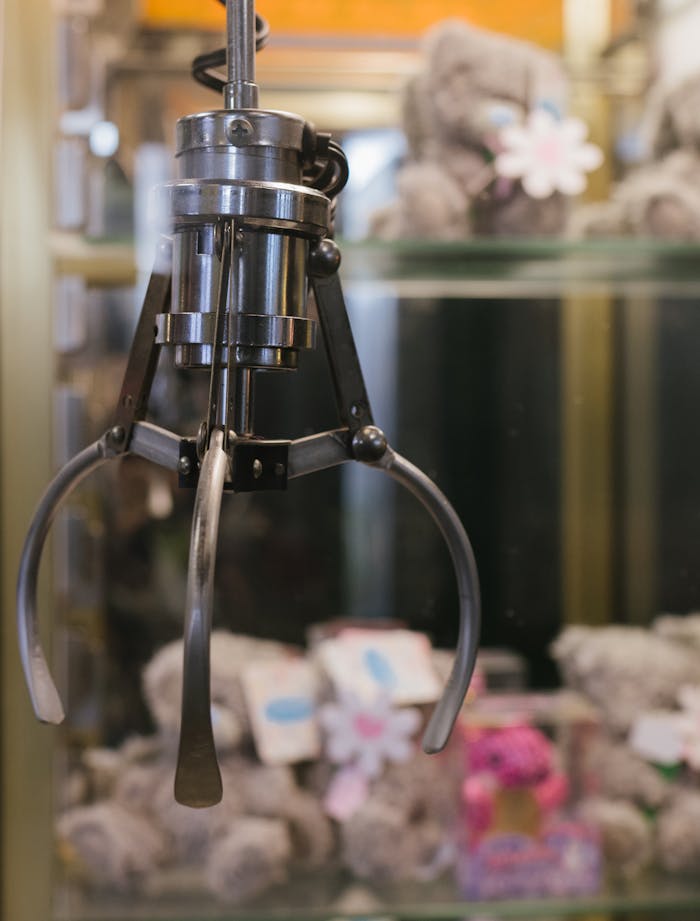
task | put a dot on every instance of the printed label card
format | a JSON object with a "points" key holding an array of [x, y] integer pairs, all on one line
{"points": [[368, 663], [281, 698]]}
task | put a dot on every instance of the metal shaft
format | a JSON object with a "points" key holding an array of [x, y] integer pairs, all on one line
{"points": [[241, 91], [244, 401]]}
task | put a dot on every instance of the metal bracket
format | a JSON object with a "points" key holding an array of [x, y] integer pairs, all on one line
{"points": [[143, 357], [259, 465], [348, 381]]}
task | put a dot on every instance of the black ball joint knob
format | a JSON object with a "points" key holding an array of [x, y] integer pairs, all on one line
{"points": [[324, 259]]}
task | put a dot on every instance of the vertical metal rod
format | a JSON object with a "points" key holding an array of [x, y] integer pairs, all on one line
{"points": [[244, 401], [219, 378], [241, 91], [222, 398]]}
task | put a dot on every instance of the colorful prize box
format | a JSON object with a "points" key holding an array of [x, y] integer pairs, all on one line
{"points": [[526, 774]]}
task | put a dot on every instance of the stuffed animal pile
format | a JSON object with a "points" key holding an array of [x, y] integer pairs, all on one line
{"points": [[384, 818], [644, 684], [130, 826]]}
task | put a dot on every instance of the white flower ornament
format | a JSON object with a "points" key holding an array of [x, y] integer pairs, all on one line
{"points": [[547, 154], [366, 735]]}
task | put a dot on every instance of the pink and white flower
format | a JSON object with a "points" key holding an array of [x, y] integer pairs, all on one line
{"points": [[547, 154], [366, 735]]}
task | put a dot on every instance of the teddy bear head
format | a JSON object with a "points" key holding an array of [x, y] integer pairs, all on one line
{"points": [[475, 81]]}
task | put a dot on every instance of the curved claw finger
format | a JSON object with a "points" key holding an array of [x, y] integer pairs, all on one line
{"points": [[197, 778], [448, 707], [42, 690]]}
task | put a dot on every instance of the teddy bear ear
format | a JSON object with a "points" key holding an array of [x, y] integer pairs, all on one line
{"points": [[448, 35]]}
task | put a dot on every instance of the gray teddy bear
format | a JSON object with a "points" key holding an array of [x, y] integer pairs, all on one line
{"points": [[473, 83]]}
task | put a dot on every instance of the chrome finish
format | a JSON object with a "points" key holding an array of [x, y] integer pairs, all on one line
{"points": [[249, 163], [282, 206], [329, 449], [42, 690], [244, 400], [448, 707], [197, 779], [272, 359], [247, 329], [240, 92], [156, 444], [217, 409], [278, 130], [256, 145], [318, 452], [195, 270]]}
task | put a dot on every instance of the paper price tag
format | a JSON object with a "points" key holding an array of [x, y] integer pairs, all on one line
{"points": [[372, 662], [281, 698]]}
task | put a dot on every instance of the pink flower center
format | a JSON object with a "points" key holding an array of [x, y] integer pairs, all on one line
{"points": [[368, 727], [550, 150]]}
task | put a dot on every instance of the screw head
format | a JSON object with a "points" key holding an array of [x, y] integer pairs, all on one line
{"points": [[257, 469], [240, 130], [117, 434], [184, 466]]}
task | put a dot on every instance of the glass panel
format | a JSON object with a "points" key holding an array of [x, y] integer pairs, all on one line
{"points": [[547, 385]]}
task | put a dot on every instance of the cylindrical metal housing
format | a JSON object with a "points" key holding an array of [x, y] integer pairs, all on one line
{"points": [[245, 166]]}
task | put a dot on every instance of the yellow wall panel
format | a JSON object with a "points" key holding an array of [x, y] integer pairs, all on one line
{"points": [[538, 20]]}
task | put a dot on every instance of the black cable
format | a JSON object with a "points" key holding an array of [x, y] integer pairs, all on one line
{"points": [[330, 172]]}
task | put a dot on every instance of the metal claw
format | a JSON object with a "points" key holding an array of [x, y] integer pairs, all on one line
{"points": [[197, 778], [329, 449], [435, 502], [42, 690]]}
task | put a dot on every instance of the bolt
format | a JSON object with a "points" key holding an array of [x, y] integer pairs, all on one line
{"points": [[239, 131], [257, 469], [118, 434], [279, 469], [184, 466]]}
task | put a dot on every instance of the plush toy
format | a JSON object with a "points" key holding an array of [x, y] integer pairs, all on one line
{"points": [[678, 837], [132, 827], [162, 685], [367, 797], [624, 670], [511, 776], [644, 683], [520, 838], [402, 830], [489, 150], [627, 835], [660, 198], [394, 806]]}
